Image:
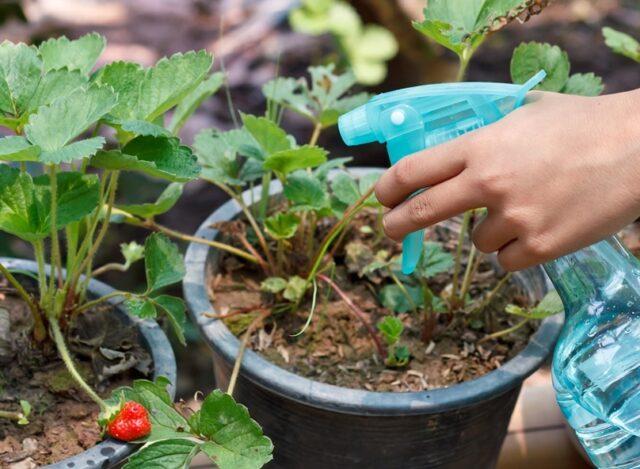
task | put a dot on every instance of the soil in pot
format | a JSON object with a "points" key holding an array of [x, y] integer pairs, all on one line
{"points": [[63, 421], [336, 347]]}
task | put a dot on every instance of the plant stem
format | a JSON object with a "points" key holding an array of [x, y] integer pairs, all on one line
{"points": [[38, 250], [317, 129], [150, 224], [107, 268], [39, 330], [466, 218], [56, 260], [405, 292], [361, 315], [102, 299], [243, 346], [335, 230], [492, 293], [8, 415], [464, 63], [250, 219], [503, 332], [68, 361], [264, 195]]}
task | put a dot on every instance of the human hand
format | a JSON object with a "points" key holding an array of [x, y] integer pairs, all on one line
{"points": [[555, 175]]}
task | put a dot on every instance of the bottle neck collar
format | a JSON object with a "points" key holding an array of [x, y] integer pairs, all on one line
{"points": [[598, 271]]}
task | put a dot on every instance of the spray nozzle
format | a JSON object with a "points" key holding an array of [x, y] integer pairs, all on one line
{"points": [[413, 119]]}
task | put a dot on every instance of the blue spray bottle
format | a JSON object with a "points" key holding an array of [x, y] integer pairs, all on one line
{"points": [[596, 364]]}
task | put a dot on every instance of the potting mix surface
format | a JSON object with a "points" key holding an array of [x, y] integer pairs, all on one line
{"points": [[63, 421]]}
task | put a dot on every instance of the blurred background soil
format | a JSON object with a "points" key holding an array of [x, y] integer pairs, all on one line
{"points": [[253, 40]]}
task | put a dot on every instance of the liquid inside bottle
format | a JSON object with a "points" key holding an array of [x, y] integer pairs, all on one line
{"points": [[607, 445], [597, 358]]}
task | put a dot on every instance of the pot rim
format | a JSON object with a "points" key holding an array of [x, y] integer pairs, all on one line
{"points": [[327, 396], [111, 451]]}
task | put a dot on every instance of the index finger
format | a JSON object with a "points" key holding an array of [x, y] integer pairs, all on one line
{"points": [[422, 169]]}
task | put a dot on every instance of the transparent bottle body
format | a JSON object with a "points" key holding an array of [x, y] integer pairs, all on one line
{"points": [[597, 358], [607, 445]]}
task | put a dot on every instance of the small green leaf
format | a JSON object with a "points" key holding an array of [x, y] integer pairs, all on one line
{"points": [[322, 101], [74, 151], [584, 84], [461, 25], [20, 71], [234, 440], [435, 260], [622, 43], [322, 171], [141, 307], [217, 153], [80, 54], [296, 288], [287, 161], [345, 189], [139, 127], [163, 263], [282, 225], [398, 357], [549, 305], [163, 203], [156, 156], [305, 192], [132, 252], [273, 285], [174, 309], [55, 125], [17, 148], [269, 136], [391, 328], [529, 58], [393, 298], [171, 453], [193, 100]]}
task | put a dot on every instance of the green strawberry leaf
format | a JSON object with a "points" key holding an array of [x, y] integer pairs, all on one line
{"points": [[55, 84], [55, 125], [268, 135], [163, 203], [234, 440], [193, 100], [393, 298], [80, 54], [217, 154], [287, 161], [529, 58], [273, 285], [462, 25], [20, 71], [305, 192], [148, 94], [174, 309], [163, 262], [322, 171], [25, 203], [296, 288], [622, 43], [16, 148], [282, 225], [391, 328], [348, 191], [435, 260], [584, 84], [156, 156], [174, 453], [141, 308], [550, 305], [322, 101], [139, 127]]}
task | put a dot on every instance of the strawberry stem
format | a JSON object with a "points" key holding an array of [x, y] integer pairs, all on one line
{"points": [[73, 371]]}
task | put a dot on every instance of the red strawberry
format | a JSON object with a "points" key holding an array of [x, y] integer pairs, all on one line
{"points": [[131, 423]]}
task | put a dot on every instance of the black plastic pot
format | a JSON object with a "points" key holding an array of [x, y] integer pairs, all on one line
{"points": [[317, 425], [110, 452]]}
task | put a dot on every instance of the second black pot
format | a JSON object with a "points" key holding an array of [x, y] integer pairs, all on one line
{"points": [[316, 425]]}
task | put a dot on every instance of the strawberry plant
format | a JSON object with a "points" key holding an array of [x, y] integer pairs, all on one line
{"points": [[366, 47], [59, 182]]}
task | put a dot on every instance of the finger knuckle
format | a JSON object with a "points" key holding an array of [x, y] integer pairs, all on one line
{"points": [[405, 171], [421, 209], [537, 247], [507, 262]]}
